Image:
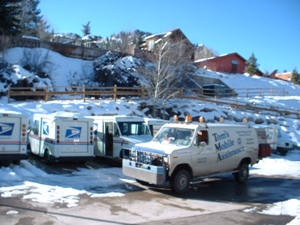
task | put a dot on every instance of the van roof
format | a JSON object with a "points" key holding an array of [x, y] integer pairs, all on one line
{"points": [[206, 125], [54, 116], [155, 121], [119, 118]]}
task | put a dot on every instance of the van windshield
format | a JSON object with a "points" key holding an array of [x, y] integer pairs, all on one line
{"points": [[133, 128], [178, 136]]}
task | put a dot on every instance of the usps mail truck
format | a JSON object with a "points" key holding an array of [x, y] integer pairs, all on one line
{"points": [[113, 134], [13, 137], [61, 138]]}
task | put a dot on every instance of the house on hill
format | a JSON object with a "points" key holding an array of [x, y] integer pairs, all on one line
{"points": [[227, 63], [173, 36]]}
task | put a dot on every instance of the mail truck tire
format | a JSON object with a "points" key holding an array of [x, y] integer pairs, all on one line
{"points": [[47, 156], [243, 174], [180, 182]]}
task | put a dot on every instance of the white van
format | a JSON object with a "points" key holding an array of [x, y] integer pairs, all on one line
{"points": [[267, 134], [182, 153], [61, 138], [13, 137], [279, 141], [154, 124], [114, 135], [284, 143]]}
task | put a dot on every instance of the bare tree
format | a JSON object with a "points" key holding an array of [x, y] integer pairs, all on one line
{"points": [[38, 61], [43, 30], [164, 76], [202, 52]]}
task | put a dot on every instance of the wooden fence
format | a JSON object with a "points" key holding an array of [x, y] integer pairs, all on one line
{"points": [[83, 93], [68, 50], [72, 92], [87, 93]]}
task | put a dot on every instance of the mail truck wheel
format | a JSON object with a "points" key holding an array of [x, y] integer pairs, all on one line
{"points": [[180, 182], [47, 156], [243, 174]]}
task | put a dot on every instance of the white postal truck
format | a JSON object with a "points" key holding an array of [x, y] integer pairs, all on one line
{"points": [[183, 153], [154, 124], [113, 134], [13, 137], [61, 138]]}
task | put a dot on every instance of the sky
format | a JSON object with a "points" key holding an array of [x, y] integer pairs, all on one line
{"points": [[36, 185], [269, 29]]}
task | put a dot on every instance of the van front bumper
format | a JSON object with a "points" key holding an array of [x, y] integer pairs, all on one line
{"points": [[144, 172]]}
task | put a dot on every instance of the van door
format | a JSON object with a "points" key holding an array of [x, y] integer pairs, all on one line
{"points": [[75, 136], [35, 137], [43, 135], [203, 155], [108, 138]]}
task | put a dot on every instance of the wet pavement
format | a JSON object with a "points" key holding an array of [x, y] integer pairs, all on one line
{"points": [[216, 201]]}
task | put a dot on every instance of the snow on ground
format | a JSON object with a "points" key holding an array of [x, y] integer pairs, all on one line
{"points": [[36, 185]]}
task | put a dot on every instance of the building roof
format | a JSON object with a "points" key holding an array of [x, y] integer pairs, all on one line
{"points": [[225, 55], [284, 76], [167, 34], [220, 56]]}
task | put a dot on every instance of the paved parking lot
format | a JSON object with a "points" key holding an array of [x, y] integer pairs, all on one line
{"points": [[219, 201]]}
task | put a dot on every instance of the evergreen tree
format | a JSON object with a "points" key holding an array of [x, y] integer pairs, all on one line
{"points": [[86, 29], [9, 21], [29, 17], [295, 77], [252, 65]]}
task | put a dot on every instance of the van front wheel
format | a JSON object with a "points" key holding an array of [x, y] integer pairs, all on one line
{"points": [[242, 175], [180, 182]]}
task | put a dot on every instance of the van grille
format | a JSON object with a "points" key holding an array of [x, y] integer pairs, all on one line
{"points": [[147, 158]]}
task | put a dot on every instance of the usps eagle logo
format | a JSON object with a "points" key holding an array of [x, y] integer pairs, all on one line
{"points": [[6, 129], [73, 132], [45, 128]]}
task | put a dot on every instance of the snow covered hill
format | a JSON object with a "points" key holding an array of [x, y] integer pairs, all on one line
{"points": [[63, 71]]}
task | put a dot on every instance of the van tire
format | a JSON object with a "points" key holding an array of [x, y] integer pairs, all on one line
{"points": [[243, 174], [283, 152], [180, 182]]}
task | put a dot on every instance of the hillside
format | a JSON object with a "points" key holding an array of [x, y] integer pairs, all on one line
{"points": [[62, 71]]}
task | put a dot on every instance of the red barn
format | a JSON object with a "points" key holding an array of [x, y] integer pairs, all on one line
{"points": [[228, 63]]}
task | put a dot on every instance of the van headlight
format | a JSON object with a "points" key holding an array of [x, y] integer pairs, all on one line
{"points": [[133, 155], [166, 160]]}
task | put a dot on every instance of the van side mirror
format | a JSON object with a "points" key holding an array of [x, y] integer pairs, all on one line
{"points": [[197, 143]]}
